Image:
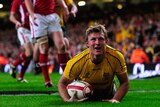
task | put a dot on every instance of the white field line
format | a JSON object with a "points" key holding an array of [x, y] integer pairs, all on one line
{"points": [[56, 93], [143, 91]]}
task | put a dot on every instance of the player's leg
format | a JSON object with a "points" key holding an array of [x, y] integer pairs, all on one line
{"points": [[28, 51], [25, 65], [67, 45], [60, 44], [65, 34], [40, 32], [66, 41], [58, 38], [36, 59], [43, 59], [23, 36], [16, 62], [35, 48]]}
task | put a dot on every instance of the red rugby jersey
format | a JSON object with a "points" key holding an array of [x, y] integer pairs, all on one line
{"points": [[43, 7], [18, 6]]}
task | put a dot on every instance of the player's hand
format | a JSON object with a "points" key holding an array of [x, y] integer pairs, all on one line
{"points": [[18, 24], [73, 14], [111, 100], [75, 99], [34, 19], [66, 14], [73, 10]]}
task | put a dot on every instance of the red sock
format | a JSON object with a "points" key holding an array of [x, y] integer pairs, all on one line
{"points": [[43, 59], [25, 64], [62, 59], [19, 60]]}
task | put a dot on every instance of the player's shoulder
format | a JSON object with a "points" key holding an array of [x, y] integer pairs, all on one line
{"points": [[14, 2], [80, 57], [18, 1], [113, 52]]}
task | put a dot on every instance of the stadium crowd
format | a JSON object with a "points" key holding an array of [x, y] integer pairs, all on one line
{"points": [[126, 33]]}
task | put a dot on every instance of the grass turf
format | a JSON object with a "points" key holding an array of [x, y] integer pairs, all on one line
{"points": [[142, 93]]}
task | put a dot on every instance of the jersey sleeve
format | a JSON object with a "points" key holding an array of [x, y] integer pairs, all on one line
{"points": [[120, 64], [72, 70], [15, 5], [75, 65]]}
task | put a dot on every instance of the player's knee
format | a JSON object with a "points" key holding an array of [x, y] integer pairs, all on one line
{"points": [[66, 43], [44, 48], [30, 57], [43, 44], [62, 48], [29, 53], [36, 58]]}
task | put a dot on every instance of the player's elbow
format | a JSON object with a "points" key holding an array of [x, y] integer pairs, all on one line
{"points": [[125, 85], [10, 17]]}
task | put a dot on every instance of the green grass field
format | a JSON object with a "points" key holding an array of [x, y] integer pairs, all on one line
{"points": [[142, 93]]}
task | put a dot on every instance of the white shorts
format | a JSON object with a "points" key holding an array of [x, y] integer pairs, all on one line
{"points": [[46, 24], [24, 35]]}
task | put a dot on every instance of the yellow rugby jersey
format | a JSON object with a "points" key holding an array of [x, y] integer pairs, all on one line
{"points": [[81, 67], [59, 10]]}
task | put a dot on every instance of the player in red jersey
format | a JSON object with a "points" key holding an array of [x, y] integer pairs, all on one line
{"points": [[44, 21], [72, 10], [23, 30]]}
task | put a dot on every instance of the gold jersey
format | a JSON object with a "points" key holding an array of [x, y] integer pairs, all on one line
{"points": [[101, 75], [59, 10]]}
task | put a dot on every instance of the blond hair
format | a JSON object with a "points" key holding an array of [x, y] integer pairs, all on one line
{"points": [[96, 29]]}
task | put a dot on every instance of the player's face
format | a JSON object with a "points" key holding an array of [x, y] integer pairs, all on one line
{"points": [[96, 42]]}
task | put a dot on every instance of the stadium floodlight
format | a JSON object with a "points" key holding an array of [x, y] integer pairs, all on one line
{"points": [[81, 3], [119, 6], [1, 6]]}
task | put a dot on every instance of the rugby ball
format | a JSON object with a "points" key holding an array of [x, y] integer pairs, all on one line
{"points": [[82, 88]]}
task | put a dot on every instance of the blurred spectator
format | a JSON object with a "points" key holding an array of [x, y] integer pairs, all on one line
{"points": [[135, 27], [156, 58], [139, 56], [3, 61]]}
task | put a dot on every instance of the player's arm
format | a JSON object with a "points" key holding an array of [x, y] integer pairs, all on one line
{"points": [[29, 7], [123, 88], [62, 88], [74, 9], [62, 84], [63, 5], [13, 19], [121, 73], [13, 13]]}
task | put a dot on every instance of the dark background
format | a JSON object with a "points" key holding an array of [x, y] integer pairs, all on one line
{"points": [[93, 10]]}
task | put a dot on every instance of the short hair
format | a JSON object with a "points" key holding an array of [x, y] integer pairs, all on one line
{"points": [[96, 29]]}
